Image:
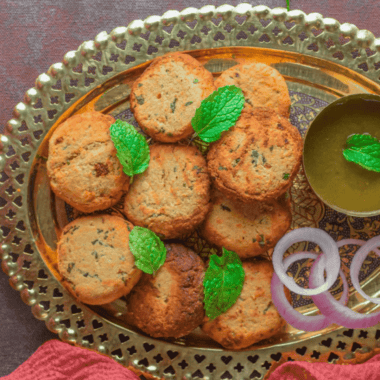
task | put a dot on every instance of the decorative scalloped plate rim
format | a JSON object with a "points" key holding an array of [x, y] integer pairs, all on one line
{"points": [[84, 70]]}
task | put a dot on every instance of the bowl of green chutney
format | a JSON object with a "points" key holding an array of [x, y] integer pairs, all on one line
{"points": [[344, 186]]}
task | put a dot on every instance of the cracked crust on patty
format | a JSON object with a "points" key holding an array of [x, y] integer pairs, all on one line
{"points": [[169, 304], [258, 158], [82, 164], [249, 229], [164, 98], [94, 259], [253, 317], [262, 86], [173, 195]]}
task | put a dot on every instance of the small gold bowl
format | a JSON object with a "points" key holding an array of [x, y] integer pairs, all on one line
{"points": [[344, 186]]}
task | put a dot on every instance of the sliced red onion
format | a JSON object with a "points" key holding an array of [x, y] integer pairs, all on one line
{"points": [[327, 245], [335, 311], [357, 262], [292, 316], [319, 269], [343, 242], [285, 309]]}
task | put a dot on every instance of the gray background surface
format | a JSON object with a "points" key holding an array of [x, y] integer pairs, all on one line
{"points": [[37, 33]]}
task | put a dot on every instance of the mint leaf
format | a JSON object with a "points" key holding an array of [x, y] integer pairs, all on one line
{"points": [[148, 249], [223, 283], [363, 150], [132, 150], [218, 113]]}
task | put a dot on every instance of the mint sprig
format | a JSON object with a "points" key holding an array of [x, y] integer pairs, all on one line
{"points": [[363, 150], [223, 283], [132, 150], [218, 113], [148, 249]]}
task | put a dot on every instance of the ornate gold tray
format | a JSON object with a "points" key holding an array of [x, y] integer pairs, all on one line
{"points": [[321, 61]]}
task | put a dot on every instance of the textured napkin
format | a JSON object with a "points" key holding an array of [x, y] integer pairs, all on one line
{"points": [[370, 370], [56, 360]]}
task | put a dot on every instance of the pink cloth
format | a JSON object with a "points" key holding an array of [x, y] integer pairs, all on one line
{"points": [[370, 370], [56, 360]]}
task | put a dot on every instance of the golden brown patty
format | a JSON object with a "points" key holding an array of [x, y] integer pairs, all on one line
{"points": [[172, 196], [166, 95], [258, 158], [249, 229], [262, 86], [253, 317], [94, 259], [171, 303], [82, 165]]}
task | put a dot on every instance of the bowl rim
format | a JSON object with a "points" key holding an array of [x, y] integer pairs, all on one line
{"points": [[341, 101]]}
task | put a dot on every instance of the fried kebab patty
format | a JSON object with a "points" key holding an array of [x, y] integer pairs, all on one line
{"points": [[82, 164], [169, 304], [164, 98], [258, 158], [253, 317], [262, 86], [94, 259], [172, 196], [249, 229]]}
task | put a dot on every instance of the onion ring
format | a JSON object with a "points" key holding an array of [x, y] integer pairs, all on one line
{"points": [[315, 279], [286, 310], [336, 312], [343, 242], [327, 245], [357, 262]]}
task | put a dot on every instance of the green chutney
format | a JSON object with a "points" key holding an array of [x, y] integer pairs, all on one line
{"points": [[343, 185]]}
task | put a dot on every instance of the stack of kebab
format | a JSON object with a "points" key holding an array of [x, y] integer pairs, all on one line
{"points": [[236, 197]]}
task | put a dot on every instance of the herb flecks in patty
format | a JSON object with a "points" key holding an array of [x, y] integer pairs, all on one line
{"points": [[173, 105], [101, 169], [140, 99], [225, 208]]}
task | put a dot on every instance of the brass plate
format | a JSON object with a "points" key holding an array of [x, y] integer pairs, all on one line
{"points": [[321, 61]]}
